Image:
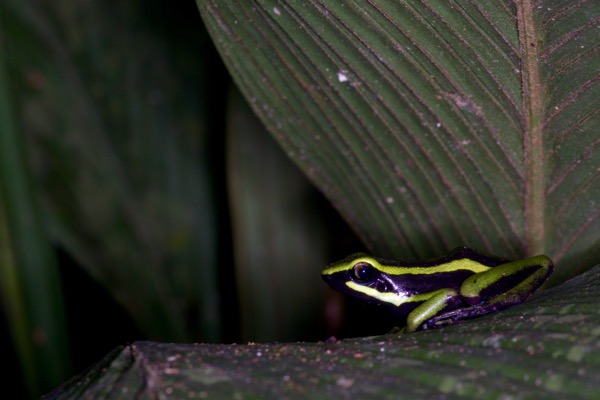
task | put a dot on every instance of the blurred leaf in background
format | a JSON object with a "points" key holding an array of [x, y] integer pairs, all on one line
{"points": [[30, 287], [112, 107], [280, 245]]}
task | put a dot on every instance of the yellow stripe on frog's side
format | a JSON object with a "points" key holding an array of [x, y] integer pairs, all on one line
{"points": [[462, 264], [390, 297]]}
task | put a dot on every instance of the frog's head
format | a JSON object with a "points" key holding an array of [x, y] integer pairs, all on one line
{"points": [[364, 277]]}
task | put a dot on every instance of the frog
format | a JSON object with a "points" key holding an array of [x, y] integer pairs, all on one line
{"points": [[424, 295]]}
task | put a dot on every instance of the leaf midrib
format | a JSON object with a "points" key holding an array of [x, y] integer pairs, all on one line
{"points": [[533, 145]]}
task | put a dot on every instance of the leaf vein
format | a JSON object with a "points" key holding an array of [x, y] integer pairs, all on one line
{"points": [[566, 38], [586, 155], [570, 99]]}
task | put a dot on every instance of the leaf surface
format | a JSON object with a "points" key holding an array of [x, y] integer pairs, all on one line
{"points": [[546, 348], [433, 124]]}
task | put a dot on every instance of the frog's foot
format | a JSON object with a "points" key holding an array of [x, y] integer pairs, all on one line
{"points": [[455, 316]]}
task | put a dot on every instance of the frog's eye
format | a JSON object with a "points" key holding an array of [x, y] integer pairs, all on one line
{"points": [[363, 272]]}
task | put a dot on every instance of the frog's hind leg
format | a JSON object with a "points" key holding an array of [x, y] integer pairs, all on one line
{"points": [[507, 284], [500, 287]]}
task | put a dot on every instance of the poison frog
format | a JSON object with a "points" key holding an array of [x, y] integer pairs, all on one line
{"points": [[430, 294]]}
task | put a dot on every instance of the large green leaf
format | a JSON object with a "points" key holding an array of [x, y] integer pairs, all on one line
{"points": [[545, 349], [432, 124]]}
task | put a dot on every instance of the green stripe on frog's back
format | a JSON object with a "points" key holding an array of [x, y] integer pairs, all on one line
{"points": [[459, 259]]}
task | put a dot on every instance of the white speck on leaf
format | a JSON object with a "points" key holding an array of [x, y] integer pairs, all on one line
{"points": [[344, 383], [493, 341], [342, 77]]}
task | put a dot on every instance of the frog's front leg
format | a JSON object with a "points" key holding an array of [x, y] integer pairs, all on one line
{"points": [[435, 304]]}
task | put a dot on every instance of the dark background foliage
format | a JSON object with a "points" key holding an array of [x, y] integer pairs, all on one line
{"points": [[114, 104]]}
